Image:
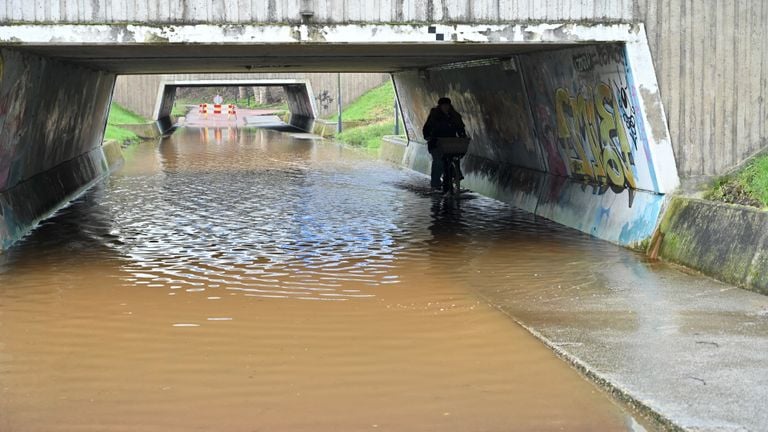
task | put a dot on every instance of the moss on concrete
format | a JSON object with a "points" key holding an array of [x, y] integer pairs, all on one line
{"points": [[727, 242], [642, 246]]}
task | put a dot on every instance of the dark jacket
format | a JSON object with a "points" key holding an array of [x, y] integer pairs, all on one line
{"points": [[441, 125]]}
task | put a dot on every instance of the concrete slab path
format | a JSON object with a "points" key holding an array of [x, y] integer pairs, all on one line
{"points": [[687, 348]]}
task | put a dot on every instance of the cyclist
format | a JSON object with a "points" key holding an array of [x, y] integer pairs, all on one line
{"points": [[443, 122]]}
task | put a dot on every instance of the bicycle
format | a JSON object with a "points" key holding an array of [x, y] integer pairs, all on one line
{"points": [[452, 150]]}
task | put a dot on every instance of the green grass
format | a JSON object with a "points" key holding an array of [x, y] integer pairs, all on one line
{"points": [[114, 133], [120, 115], [375, 104], [368, 136], [748, 186], [758, 176], [179, 110]]}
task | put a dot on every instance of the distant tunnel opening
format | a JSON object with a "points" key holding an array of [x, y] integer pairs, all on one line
{"points": [[296, 93]]}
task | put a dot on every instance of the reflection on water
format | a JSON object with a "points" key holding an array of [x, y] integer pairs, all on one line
{"points": [[249, 280]]}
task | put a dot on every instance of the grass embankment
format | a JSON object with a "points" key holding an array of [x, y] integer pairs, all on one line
{"points": [[376, 109], [748, 187], [119, 115]]}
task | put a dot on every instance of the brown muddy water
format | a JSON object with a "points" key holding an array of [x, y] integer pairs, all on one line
{"points": [[255, 281]]}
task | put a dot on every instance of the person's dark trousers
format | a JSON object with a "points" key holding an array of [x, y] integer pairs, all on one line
{"points": [[447, 174], [437, 171]]}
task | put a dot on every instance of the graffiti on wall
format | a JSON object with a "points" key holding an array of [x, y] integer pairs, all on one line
{"points": [[576, 117], [590, 127], [584, 108], [325, 99]]}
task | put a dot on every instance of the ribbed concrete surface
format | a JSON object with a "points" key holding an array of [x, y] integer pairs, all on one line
{"points": [[279, 11]]}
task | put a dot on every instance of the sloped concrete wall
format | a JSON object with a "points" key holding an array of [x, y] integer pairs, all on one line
{"points": [[562, 134], [162, 116], [301, 105], [52, 119], [726, 241], [300, 100]]}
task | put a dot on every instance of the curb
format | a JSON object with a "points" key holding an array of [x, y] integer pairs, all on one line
{"points": [[619, 394]]}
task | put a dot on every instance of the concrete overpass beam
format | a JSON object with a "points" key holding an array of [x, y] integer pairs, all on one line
{"points": [[52, 120]]}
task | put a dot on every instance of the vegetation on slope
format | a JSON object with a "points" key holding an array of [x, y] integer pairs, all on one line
{"points": [[376, 110], [749, 186], [119, 115]]}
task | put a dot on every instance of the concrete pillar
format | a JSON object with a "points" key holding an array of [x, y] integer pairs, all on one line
{"points": [[165, 99], [52, 119], [301, 105]]}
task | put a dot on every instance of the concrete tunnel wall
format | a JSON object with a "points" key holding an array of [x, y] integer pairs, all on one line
{"points": [[52, 119], [563, 134]]}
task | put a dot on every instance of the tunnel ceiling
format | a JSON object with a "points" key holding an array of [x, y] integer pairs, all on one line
{"points": [[142, 59]]}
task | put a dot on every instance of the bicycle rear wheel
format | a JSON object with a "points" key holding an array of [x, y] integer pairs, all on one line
{"points": [[456, 177]]}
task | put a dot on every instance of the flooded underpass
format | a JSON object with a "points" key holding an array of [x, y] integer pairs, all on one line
{"points": [[248, 280]]}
